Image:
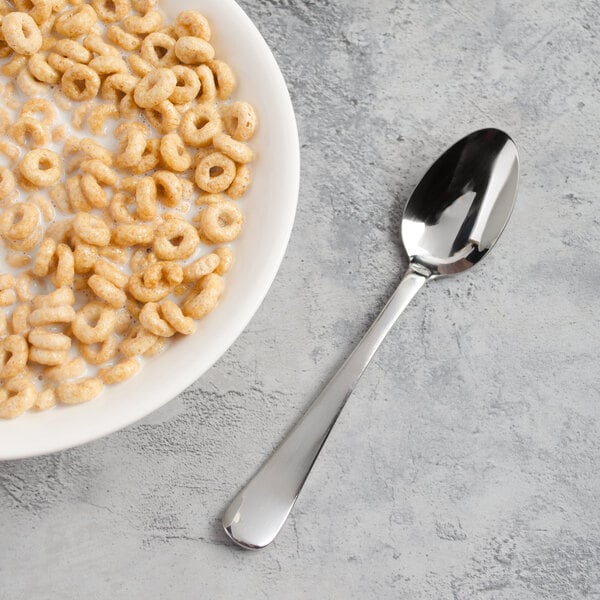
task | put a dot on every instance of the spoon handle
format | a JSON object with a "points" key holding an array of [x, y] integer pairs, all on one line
{"points": [[257, 513]]}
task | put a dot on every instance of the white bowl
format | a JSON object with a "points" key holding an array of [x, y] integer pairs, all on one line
{"points": [[270, 208]]}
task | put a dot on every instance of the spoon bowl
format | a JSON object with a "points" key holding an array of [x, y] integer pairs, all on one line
{"points": [[461, 206]]}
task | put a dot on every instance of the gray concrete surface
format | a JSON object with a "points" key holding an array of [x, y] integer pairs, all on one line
{"points": [[466, 465]]}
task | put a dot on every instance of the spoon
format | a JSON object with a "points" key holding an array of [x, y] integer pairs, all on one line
{"points": [[451, 221]]}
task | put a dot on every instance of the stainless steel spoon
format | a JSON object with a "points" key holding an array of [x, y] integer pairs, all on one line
{"points": [[452, 220]]}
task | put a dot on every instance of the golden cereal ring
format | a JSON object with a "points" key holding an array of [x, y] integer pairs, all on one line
{"points": [[158, 50], [38, 66], [120, 372], [80, 82], [41, 167], [208, 87], [144, 293], [107, 291], [49, 358], [51, 315], [154, 88], [19, 221], [21, 33], [100, 171], [172, 314], [72, 50], [225, 260], [118, 255], [17, 260], [4, 324], [137, 342], [97, 117], [192, 50], [150, 157], [192, 23], [153, 322], [59, 63], [119, 210], [94, 150], [110, 11], [41, 11], [93, 191], [94, 43], [221, 223], [117, 85], [111, 273], [45, 206], [156, 348], [44, 257], [237, 151], [174, 153], [17, 396], [169, 188], [132, 235], [204, 297], [138, 65], [215, 173], [123, 321], [181, 232], [77, 200], [13, 67], [145, 199], [20, 319], [68, 370], [201, 267], [77, 392], [240, 121], [169, 272], [29, 85], [122, 38], [48, 340], [241, 183], [14, 352], [131, 146], [7, 182], [133, 307], [164, 117], [46, 399], [149, 23], [85, 256], [141, 258], [187, 86], [128, 108], [7, 297], [91, 229], [5, 120], [65, 266], [27, 131], [76, 21], [93, 312], [143, 6], [9, 150], [7, 281], [23, 287], [97, 354], [108, 65], [224, 78], [199, 125]]}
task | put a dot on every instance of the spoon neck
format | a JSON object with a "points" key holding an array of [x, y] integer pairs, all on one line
{"points": [[420, 269]]}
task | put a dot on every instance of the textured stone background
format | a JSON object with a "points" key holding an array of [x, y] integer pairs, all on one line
{"points": [[465, 465]]}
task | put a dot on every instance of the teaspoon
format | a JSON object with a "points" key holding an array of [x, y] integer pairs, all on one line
{"points": [[451, 221]]}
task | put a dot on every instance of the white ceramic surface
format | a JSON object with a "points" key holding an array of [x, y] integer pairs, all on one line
{"points": [[270, 208]]}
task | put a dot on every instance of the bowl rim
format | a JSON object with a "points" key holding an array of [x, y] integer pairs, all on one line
{"points": [[290, 191]]}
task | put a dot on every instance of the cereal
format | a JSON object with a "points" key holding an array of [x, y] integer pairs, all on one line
{"points": [[65, 266], [237, 151], [174, 154], [152, 321], [20, 319], [76, 21], [132, 235], [164, 117], [175, 239], [27, 131], [201, 267], [110, 11], [21, 33], [224, 78], [192, 23], [101, 352], [199, 125], [40, 68], [204, 297], [41, 167], [145, 199], [215, 173], [80, 82], [13, 355], [154, 88], [192, 50], [46, 399], [48, 340], [7, 182], [137, 342], [240, 121], [51, 315], [98, 116], [158, 50], [221, 223], [77, 392], [149, 23], [120, 372], [187, 85], [17, 396], [122, 38], [169, 189], [91, 229], [241, 182], [93, 312], [67, 370], [107, 291]]}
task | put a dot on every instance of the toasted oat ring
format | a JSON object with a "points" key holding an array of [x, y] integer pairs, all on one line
{"points": [[192, 23], [240, 121], [44, 257], [38, 66], [49, 358], [93, 191], [110, 11], [139, 66], [131, 146], [17, 349], [145, 199], [237, 151], [187, 87], [41, 167], [93, 323], [160, 286], [51, 315], [21, 33], [150, 157], [77, 392], [73, 51], [68, 370], [174, 153], [123, 39], [147, 24], [169, 189], [215, 173], [120, 372], [30, 86], [76, 21], [111, 273], [108, 64], [199, 125], [99, 355], [167, 271], [91, 229], [85, 256], [65, 266], [181, 232], [137, 342], [224, 78], [28, 130], [48, 340], [132, 235], [94, 43], [201, 267], [221, 223], [204, 297], [80, 82], [241, 183], [118, 207], [208, 87], [117, 85], [143, 6], [96, 151], [154, 88], [17, 396], [192, 50], [41, 11], [107, 291], [172, 314], [158, 50], [153, 322], [164, 117], [225, 260], [7, 182], [19, 221]]}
